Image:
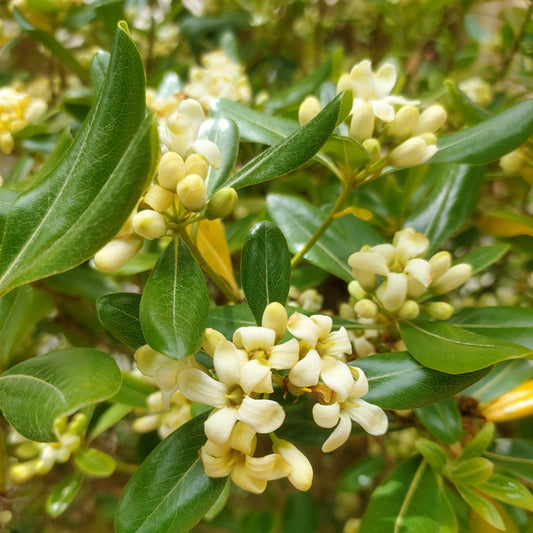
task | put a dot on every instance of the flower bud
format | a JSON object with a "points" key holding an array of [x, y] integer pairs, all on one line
{"points": [[21, 472], [210, 341], [7, 144], [440, 263], [373, 148], [171, 170], [409, 310], [301, 475], [35, 110], [196, 164], [149, 224], [309, 109], [404, 122], [451, 279], [116, 253], [355, 290], [392, 291], [430, 120], [363, 347], [192, 192], [413, 151], [362, 123], [439, 310], [366, 308], [157, 198], [344, 83], [373, 262], [275, 317], [512, 162], [147, 423], [429, 138], [221, 203]]}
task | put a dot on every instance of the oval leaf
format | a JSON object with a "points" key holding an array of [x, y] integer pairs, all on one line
{"points": [[514, 455], [265, 268], [453, 349], [442, 420], [508, 490], [170, 491], [63, 494], [483, 257], [35, 392], [175, 303]]}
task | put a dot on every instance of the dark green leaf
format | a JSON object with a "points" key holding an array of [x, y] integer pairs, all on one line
{"points": [[227, 319], [481, 258], [299, 220], [170, 491], [455, 350], [175, 303], [265, 268], [514, 455], [361, 474], [119, 314], [35, 392], [398, 381], [407, 501], [442, 420], [63, 494], [300, 513], [99, 66], [454, 196], [468, 111], [489, 140]]}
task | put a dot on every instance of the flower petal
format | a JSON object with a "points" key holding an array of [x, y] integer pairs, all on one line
{"points": [[340, 434], [284, 356], [392, 291], [256, 377], [372, 262], [271, 466], [360, 387], [216, 466], [253, 338], [219, 425], [197, 386], [382, 110], [228, 361], [301, 475], [209, 150], [194, 112], [305, 373], [362, 80], [336, 344], [262, 415], [326, 416], [303, 327], [370, 417], [242, 477], [384, 80], [337, 376], [243, 438]]}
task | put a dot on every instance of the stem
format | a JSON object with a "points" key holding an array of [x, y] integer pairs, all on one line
{"points": [[218, 280], [341, 200]]}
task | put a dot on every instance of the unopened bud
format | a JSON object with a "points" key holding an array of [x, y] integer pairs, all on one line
{"points": [[35, 110], [192, 192], [197, 164], [221, 204], [171, 170], [344, 83], [116, 253], [7, 144], [430, 120], [178, 123], [439, 310], [373, 148], [21, 472], [429, 138], [366, 308], [147, 423], [301, 475], [355, 290], [413, 151], [409, 310], [149, 224], [440, 263], [362, 123], [158, 198], [309, 109], [451, 279], [512, 162], [404, 122], [275, 317], [363, 347], [210, 341]]}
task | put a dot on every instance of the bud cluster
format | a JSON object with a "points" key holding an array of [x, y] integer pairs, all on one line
{"points": [[40, 457], [392, 278], [519, 161]]}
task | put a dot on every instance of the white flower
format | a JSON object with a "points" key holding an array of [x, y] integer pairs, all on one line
{"points": [[301, 474], [371, 417]]}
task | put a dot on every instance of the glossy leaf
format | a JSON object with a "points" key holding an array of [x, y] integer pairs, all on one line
{"points": [[119, 314], [508, 490], [174, 303], [295, 150], [170, 491], [455, 350], [35, 392], [489, 140], [473, 471], [98, 69], [228, 318], [398, 381], [454, 196], [79, 205], [514, 455], [481, 258], [406, 501], [63, 494], [442, 420], [298, 220], [361, 474], [468, 111], [481, 505], [94, 463], [504, 224], [133, 391], [265, 268]]}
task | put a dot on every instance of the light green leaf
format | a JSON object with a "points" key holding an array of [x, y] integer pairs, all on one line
{"points": [[37, 391], [119, 314], [265, 268], [455, 350], [473, 471], [133, 391], [94, 463], [489, 140], [108, 419], [175, 303], [514, 455], [407, 501], [170, 491], [398, 381], [433, 453], [508, 490], [481, 505], [479, 443], [442, 420], [63, 494]]}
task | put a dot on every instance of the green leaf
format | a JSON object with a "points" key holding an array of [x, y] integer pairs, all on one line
{"points": [[407, 501], [228, 318], [433, 453], [508, 490], [300, 513], [481, 258], [265, 268], [489, 140], [175, 303], [78, 205], [468, 111], [37, 391], [98, 69], [473, 471], [346, 152], [170, 491], [63, 494], [398, 381], [513, 324], [442, 420], [133, 391], [450, 203], [479, 443], [295, 150], [481, 505], [109, 418], [94, 463], [119, 314], [299, 220], [455, 350], [361, 474], [225, 134], [447, 518], [514, 455]]}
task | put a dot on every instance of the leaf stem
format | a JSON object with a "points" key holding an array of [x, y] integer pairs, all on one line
{"points": [[218, 280]]}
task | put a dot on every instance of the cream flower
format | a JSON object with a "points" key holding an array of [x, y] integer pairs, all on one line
{"points": [[371, 417]]}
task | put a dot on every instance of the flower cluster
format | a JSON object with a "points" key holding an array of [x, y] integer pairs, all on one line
{"points": [[390, 278], [389, 126], [40, 457]]}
